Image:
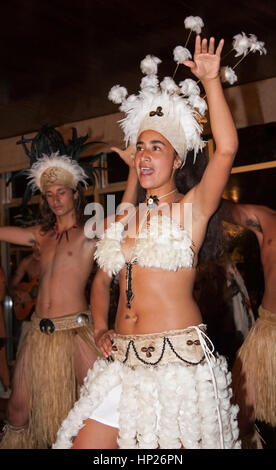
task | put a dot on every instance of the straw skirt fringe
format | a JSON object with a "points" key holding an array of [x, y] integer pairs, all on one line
{"points": [[52, 386], [255, 366]]}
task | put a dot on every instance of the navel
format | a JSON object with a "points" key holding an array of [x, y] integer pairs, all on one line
{"points": [[134, 318]]}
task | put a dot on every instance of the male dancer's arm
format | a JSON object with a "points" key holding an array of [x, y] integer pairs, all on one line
{"points": [[19, 236], [246, 215]]}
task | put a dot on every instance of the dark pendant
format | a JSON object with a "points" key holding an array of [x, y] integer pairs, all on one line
{"points": [[152, 201], [59, 237], [129, 292], [46, 326]]}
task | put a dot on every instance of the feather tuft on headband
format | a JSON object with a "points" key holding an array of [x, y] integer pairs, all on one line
{"points": [[228, 75], [181, 53], [189, 87], [149, 65], [241, 44], [255, 45], [117, 94], [194, 23]]}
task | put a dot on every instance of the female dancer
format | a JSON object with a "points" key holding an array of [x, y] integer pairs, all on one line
{"points": [[159, 384]]}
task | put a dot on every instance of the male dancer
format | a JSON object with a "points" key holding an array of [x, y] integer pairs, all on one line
{"points": [[254, 371], [59, 348]]}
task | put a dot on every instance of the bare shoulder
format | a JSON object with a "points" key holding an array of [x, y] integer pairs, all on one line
{"points": [[257, 217], [267, 218], [32, 235], [37, 230]]}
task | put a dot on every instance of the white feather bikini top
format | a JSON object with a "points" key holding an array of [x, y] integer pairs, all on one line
{"points": [[162, 243]]}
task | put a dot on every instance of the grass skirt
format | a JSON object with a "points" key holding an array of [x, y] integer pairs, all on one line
{"points": [[48, 368], [254, 371], [169, 405]]}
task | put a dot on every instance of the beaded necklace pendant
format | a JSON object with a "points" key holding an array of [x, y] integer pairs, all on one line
{"points": [[59, 235], [152, 201]]}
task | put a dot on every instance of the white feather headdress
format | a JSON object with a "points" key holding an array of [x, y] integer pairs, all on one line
{"points": [[170, 109], [55, 169], [176, 111]]}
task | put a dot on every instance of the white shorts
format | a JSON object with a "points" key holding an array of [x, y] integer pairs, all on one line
{"points": [[108, 411]]}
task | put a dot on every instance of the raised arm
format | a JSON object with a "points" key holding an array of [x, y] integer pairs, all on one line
{"points": [[127, 155], [206, 66], [99, 301]]}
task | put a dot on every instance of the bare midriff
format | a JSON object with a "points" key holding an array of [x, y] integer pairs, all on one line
{"points": [[163, 300]]}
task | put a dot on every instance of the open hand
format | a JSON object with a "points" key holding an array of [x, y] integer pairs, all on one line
{"points": [[126, 155], [206, 63]]}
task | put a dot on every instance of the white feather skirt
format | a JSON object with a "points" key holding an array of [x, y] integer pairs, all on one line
{"points": [[170, 405]]}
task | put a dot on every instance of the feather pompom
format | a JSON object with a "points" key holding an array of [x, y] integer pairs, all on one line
{"points": [[194, 23], [149, 65], [108, 252], [241, 44], [149, 81], [256, 45], [227, 74], [181, 53], [168, 85], [117, 94], [128, 103], [197, 102], [189, 87]]}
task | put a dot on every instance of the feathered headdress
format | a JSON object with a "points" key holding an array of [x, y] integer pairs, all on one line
{"points": [[56, 169], [175, 110], [242, 45]]}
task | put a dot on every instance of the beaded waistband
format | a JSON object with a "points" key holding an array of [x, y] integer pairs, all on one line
{"points": [[159, 348], [68, 322]]}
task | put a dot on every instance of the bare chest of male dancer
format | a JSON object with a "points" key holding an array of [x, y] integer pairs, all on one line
{"points": [[66, 263]]}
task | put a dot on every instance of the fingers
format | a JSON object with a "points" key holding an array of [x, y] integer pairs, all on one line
{"points": [[189, 63], [219, 48], [105, 343], [211, 46], [202, 47], [116, 149], [197, 45]]}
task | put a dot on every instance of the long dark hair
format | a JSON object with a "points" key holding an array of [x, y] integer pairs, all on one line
{"points": [[185, 179], [48, 218]]}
